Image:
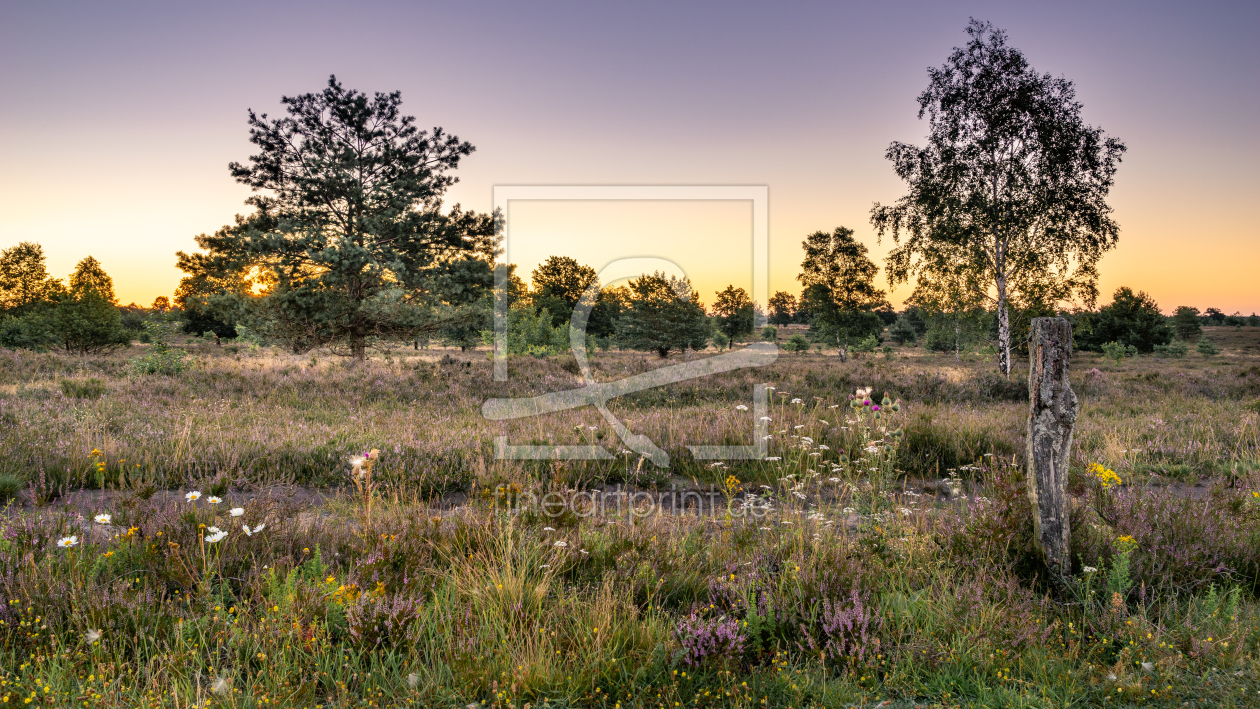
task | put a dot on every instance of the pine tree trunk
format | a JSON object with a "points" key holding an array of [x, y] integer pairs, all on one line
{"points": [[1051, 419], [358, 347]]}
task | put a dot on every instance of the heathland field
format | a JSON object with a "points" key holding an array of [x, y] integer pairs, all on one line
{"points": [[209, 538]]}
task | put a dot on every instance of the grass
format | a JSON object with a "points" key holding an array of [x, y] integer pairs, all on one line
{"points": [[842, 582]]}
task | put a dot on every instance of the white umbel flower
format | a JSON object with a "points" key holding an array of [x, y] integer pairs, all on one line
{"points": [[237, 511]]}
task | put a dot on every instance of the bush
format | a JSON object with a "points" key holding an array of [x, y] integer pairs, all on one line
{"points": [[1118, 351], [770, 333], [903, 332], [1131, 318], [86, 389], [868, 344], [797, 343], [1176, 348], [162, 358], [1207, 349]]}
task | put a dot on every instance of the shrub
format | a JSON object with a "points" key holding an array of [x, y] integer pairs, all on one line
{"points": [[770, 333], [903, 332], [797, 343], [1118, 351], [1207, 349], [162, 358], [868, 344], [1176, 348], [86, 389]]}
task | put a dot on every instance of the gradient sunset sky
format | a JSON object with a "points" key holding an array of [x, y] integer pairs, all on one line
{"points": [[119, 120]]}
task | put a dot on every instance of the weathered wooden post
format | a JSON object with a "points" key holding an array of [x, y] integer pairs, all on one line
{"points": [[1051, 418]]}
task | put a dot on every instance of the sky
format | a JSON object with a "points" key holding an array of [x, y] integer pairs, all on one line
{"points": [[118, 121]]}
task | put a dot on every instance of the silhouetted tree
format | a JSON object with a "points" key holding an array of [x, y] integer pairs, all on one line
{"points": [[1012, 183], [734, 312], [840, 294], [348, 234], [664, 315]]}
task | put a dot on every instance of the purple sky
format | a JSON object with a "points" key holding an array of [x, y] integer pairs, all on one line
{"points": [[119, 119]]}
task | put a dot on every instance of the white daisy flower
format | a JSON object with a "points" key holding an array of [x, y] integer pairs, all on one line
{"points": [[215, 537], [67, 542], [102, 519], [192, 496], [213, 500], [251, 532]]}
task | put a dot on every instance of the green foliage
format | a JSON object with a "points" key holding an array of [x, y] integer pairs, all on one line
{"points": [[840, 293], [734, 311], [24, 280], [348, 235], [665, 315], [1207, 349], [1176, 348], [91, 388], [782, 308], [903, 332], [86, 322], [770, 333], [530, 332], [161, 358], [720, 340], [33, 330], [1118, 351], [1131, 318], [1185, 322], [867, 344], [797, 343], [1010, 190]]}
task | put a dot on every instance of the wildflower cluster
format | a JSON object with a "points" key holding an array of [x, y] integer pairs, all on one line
{"points": [[1105, 476]]}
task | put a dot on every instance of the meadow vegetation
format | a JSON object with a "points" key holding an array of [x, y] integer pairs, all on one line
{"points": [[204, 537]]}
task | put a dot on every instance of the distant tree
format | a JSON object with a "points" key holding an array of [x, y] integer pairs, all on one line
{"points": [[903, 332], [782, 308], [215, 291], [610, 304], [1214, 316], [664, 315], [734, 312], [840, 294], [1185, 322], [24, 280], [348, 234], [86, 320], [161, 304], [1253, 320], [1131, 319], [562, 278], [88, 275], [770, 333], [1012, 183], [951, 297]]}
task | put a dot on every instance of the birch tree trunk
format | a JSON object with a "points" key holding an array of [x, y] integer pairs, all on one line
{"points": [[1051, 418]]}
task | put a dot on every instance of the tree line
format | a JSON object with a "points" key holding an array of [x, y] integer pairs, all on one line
{"points": [[349, 245]]}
